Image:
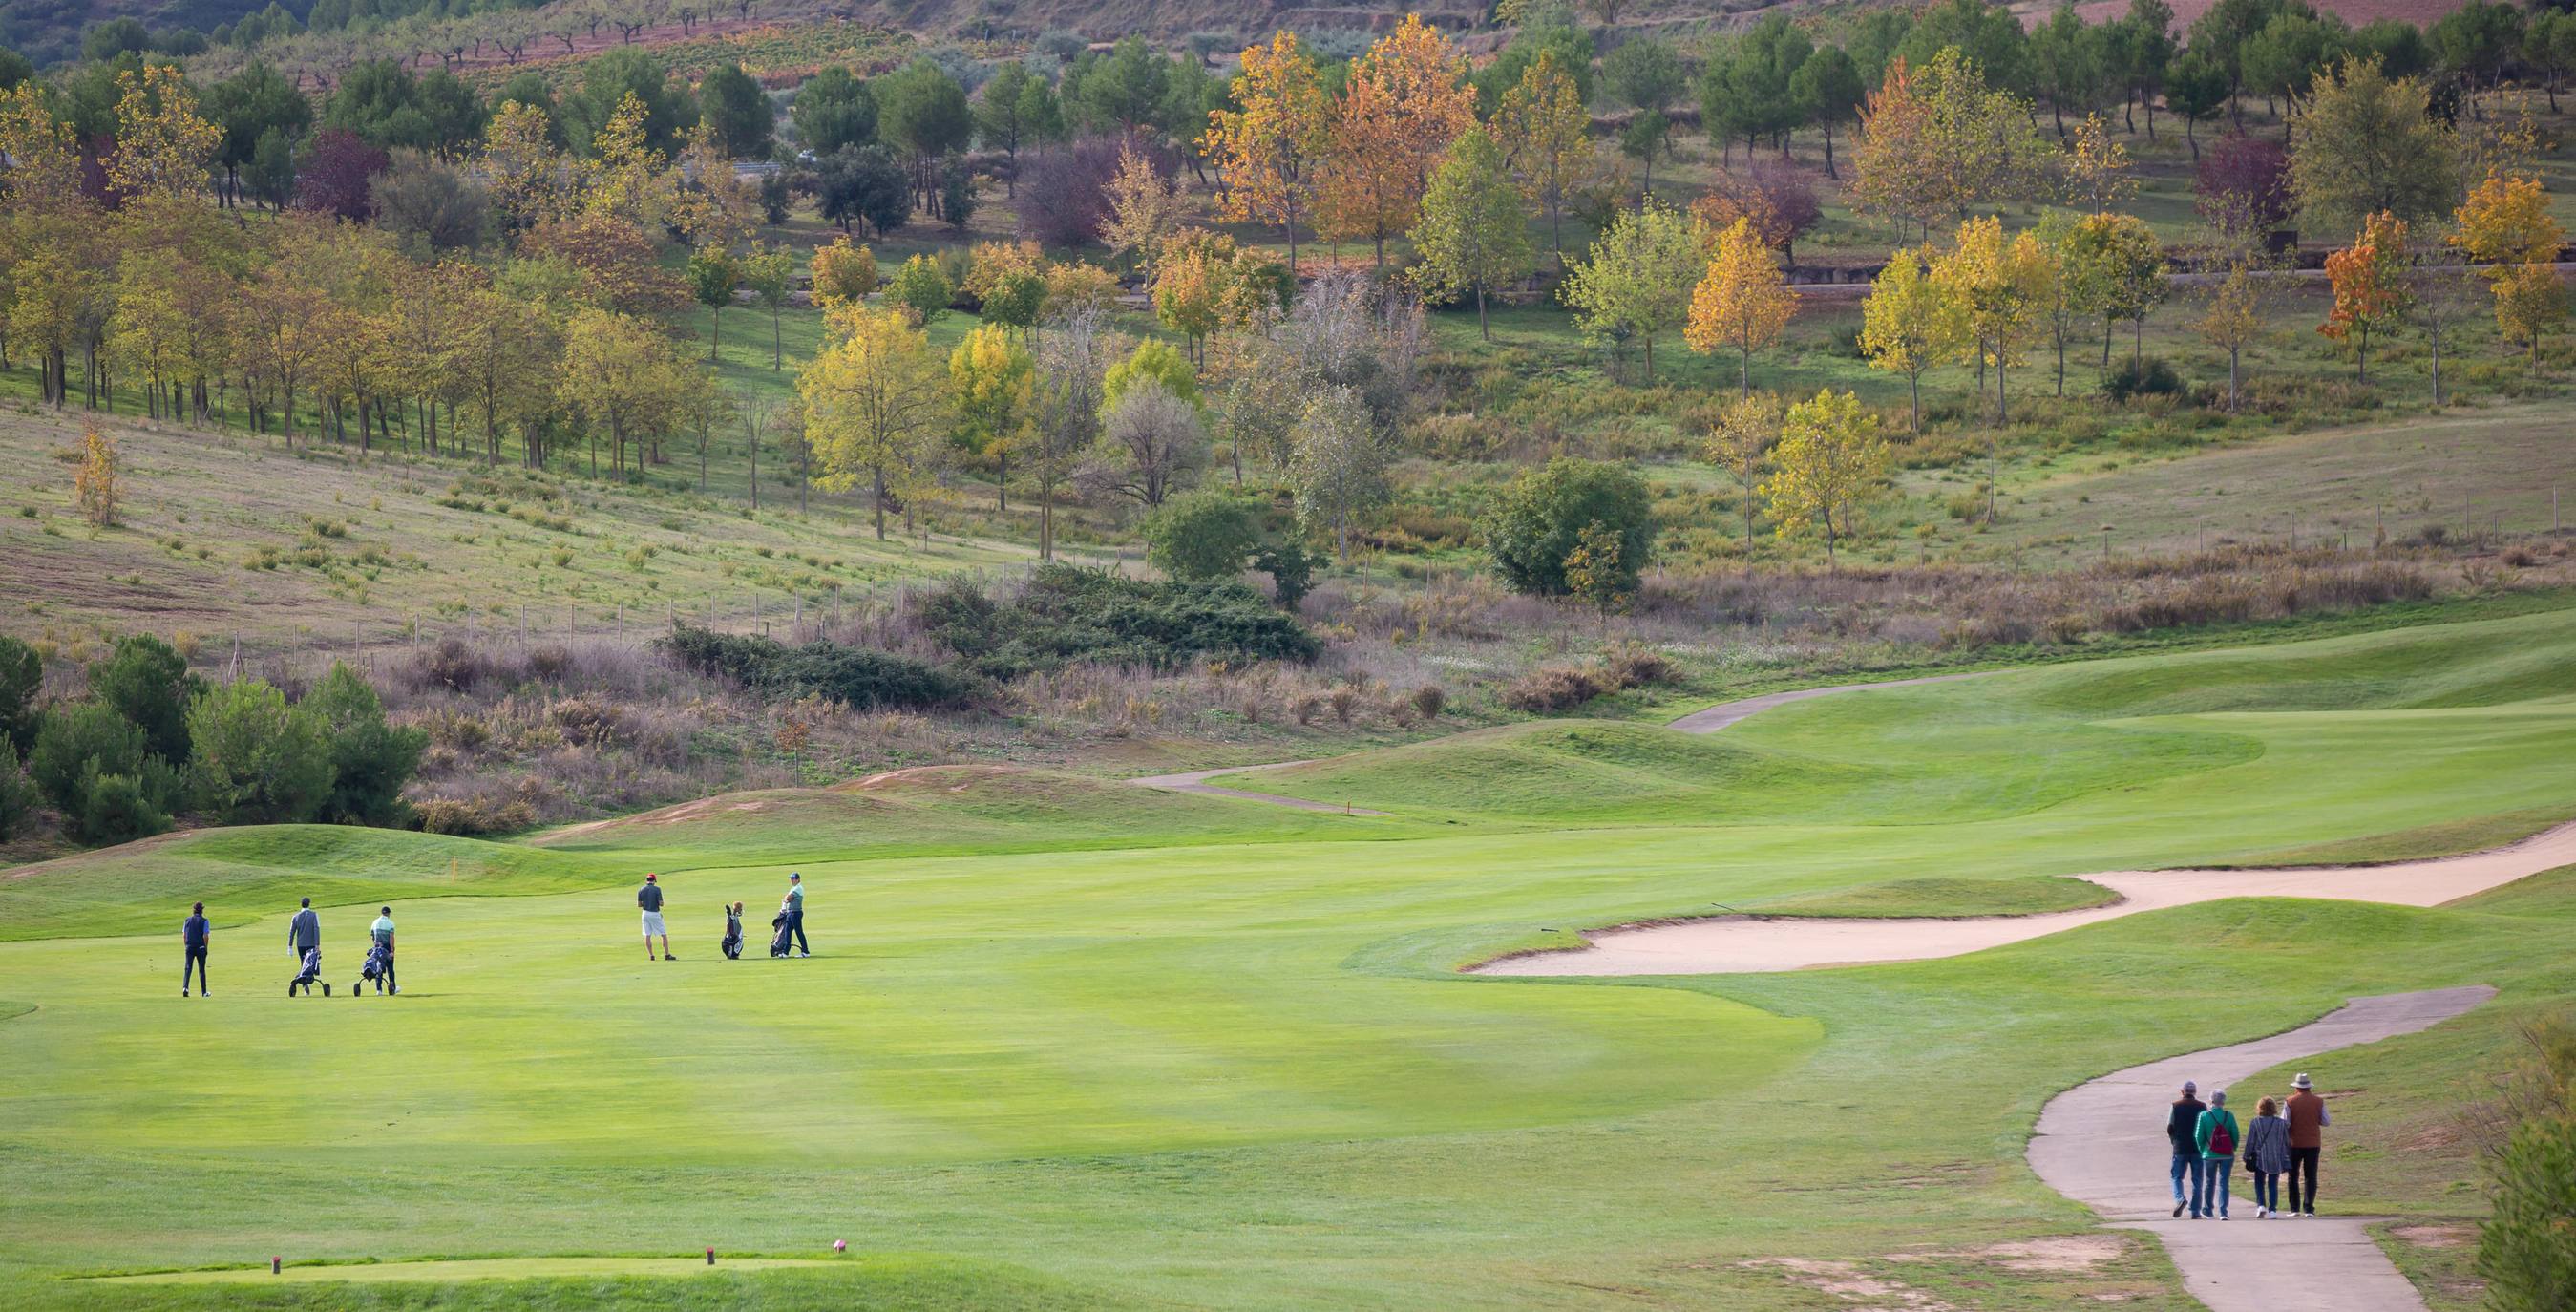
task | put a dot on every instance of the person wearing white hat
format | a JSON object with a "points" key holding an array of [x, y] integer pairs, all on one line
{"points": [[2182, 1124], [2308, 1118]]}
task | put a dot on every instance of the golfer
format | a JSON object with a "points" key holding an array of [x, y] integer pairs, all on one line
{"points": [[649, 898], [304, 933], [794, 906], [193, 934], [2308, 1118], [383, 932]]}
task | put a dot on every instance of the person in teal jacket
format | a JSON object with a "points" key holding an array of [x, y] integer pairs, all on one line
{"points": [[2219, 1138]]}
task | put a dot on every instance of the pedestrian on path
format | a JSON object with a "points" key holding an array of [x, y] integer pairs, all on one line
{"points": [[794, 909], [2267, 1155], [2308, 1119], [649, 897], [2218, 1135], [2182, 1122], [304, 932], [194, 933]]}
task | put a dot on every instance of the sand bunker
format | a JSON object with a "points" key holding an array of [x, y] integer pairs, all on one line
{"points": [[1752, 944]]}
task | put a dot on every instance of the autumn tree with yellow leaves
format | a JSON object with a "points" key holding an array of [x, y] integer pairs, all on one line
{"points": [[1545, 133], [98, 485], [877, 403], [993, 378], [1742, 301], [1271, 147], [2001, 284], [1830, 462], [1911, 322], [162, 145]]}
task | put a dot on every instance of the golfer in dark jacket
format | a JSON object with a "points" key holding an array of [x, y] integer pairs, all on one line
{"points": [[192, 936], [649, 898], [304, 933], [2182, 1125]]}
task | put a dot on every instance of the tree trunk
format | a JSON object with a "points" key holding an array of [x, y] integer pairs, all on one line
{"points": [[1483, 326], [1829, 151], [880, 499]]}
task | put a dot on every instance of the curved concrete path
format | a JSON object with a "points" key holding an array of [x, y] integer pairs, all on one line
{"points": [[1708, 721], [1752, 944], [2102, 1144]]}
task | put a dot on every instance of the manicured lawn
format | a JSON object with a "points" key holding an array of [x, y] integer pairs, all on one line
{"points": [[1072, 1045]]}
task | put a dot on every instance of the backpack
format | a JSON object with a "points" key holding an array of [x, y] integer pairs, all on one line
{"points": [[2222, 1141]]}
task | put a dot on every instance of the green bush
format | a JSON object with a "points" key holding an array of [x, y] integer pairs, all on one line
{"points": [[22, 677], [78, 741], [17, 793], [116, 808], [1537, 521], [1202, 536], [854, 676], [2134, 377], [371, 760], [1291, 569], [1067, 614], [259, 760], [920, 286], [2527, 1250], [149, 684]]}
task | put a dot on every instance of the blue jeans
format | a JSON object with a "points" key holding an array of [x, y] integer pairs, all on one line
{"points": [[2187, 1164], [2215, 1171], [2267, 1190]]}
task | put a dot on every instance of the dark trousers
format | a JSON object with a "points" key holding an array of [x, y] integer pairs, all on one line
{"points": [[196, 961], [796, 926], [2303, 1159], [2267, 1190]]}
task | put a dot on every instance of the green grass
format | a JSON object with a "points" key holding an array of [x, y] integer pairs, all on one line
{"points": [[1210, 1065]]}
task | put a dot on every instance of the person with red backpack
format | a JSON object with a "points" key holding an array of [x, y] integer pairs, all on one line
{"points": [[2218, 1136]]}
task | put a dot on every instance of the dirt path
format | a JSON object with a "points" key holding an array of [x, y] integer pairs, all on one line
{"points": [[2102, 1144], [1749, 944], [1196, 781]]}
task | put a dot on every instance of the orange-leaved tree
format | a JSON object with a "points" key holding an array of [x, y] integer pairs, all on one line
{"points": [[1408, 99], [2370, 290], [1268, 148]]}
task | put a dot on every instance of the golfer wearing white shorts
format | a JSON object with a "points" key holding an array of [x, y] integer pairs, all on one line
{"points": [[649, 897]]}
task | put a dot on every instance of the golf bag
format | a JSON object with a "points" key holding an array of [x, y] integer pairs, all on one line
{"points": [[733, 936], [374, 968], [779, 939], [311, 971]]}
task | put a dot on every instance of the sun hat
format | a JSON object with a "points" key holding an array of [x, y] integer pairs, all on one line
{"points": [[2301, 1082]]}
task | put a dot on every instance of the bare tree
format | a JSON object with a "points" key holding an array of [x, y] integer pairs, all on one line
{"points": [[1072, 355], [1151, 445]]}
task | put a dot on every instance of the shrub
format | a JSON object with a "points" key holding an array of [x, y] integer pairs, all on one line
{"points": [[2527, 1250], [1553, 688], [17, 793], [371, 760], [1429, 700], [1202, 536], [1291, 569], [1630, 665], [78, 742], [854, 676], [451, 664], [1067, 614], [22, 677], [2150, 376], [116, 808], [148, 683], [471, 817], [1538, 520], [259, 760]]}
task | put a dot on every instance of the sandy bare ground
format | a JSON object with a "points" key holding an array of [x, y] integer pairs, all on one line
{"points": [[2102, 1144], [1750, 944]]}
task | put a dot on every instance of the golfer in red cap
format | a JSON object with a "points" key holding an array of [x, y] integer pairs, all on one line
{"points": [[649, 897]]}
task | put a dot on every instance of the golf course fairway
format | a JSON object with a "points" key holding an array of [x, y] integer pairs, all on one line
{"points": [[1067, 1044]]}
